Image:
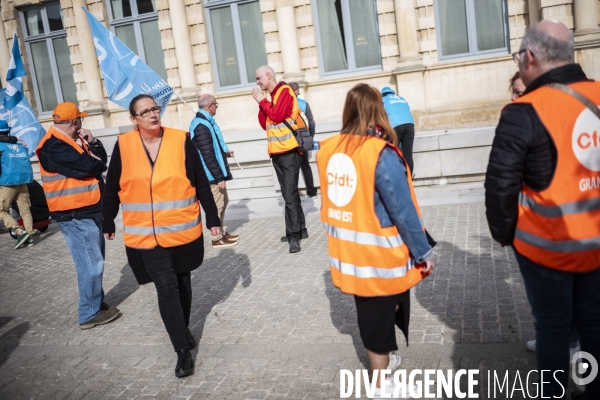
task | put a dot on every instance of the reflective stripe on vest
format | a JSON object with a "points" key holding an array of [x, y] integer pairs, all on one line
{"points": [[365, 258], [158, 201], [369, 239], [559, 227], [368, 271], [64, 193], [280, 138]]}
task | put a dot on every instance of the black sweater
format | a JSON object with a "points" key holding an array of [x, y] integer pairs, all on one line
{"points": [[523, 153], [187, 257]]}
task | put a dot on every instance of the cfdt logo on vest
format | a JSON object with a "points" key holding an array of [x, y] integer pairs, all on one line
{"points": [[341, 179], [586, 140]]}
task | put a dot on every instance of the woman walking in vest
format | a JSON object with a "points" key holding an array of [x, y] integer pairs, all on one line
{"points": [[377, 245], [156, 175]]}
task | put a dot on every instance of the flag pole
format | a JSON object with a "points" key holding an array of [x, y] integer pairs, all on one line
{"points": [[184, 101]]}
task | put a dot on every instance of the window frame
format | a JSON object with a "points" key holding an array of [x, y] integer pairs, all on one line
{"points": [[239, 47], [48, 38], [351, 58], [136, 20], [471, 34]]}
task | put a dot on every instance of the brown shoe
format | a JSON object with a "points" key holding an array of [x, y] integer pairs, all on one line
{"points": [[104, 317], [233, 238], [223, 242]]}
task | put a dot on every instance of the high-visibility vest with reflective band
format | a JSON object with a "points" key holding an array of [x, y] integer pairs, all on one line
{"points": [[365, 259], [279, 137], [559, 227], [159, 203], [64, 193]]}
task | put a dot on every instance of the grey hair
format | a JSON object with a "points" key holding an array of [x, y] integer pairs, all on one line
{"points": [[205, 100], [267, 69], [294, 86], [546, 48]]}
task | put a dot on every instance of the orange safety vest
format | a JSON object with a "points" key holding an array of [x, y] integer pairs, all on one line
{"points": [[159, 203], [365, 259], [64, 193], [559, 227], [279, 137]]}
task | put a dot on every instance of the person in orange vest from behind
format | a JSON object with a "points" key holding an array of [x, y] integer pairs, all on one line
{"points": [[377, 244], [157, 178], [72, 181], [543, 196]]}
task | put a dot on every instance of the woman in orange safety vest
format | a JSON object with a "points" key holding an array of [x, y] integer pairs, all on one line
{"points": [[377, 244], [157, 178]]}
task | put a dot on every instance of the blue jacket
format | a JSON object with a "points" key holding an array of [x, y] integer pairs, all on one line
{"points": [[219, 171], [15, 167], [397, 108]]}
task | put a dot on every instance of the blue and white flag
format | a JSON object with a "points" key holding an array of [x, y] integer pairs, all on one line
{"points": [[125, 75], [24, 124], [14, 82]]}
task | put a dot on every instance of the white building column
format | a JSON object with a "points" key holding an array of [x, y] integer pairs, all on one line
{"points": [[534, 12], [585, 15], [183, 46], [89, 59], [4, 55], [406, 28], [288, 41]]}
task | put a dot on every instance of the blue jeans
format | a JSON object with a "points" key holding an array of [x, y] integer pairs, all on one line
{"points": [[86, 243], [557, 300]]}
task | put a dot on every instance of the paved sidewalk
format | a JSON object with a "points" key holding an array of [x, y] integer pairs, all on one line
{"points": [[269, 324]]}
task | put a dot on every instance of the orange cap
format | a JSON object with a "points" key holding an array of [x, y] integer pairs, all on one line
{"points": [[67, 111]]}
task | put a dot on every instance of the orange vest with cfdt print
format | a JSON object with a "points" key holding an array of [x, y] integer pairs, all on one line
{"points": [[62, 192], [159, 203], [559, 227], [279, 137], [365, 259]]}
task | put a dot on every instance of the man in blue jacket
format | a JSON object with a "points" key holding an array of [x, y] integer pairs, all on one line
{"points": [[15, 174], [311, 191], [207, 137], [401, 119]]}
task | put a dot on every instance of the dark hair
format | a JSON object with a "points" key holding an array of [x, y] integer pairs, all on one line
{"points": [[364, 112], [135, 100], [512, 81]]}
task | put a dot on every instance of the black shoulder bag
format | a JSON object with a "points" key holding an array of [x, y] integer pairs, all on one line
{"points": [[302, 135]]}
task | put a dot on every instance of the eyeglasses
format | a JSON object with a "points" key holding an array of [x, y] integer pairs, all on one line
{"points": [[80, 119], [214, 104], [145, 113], [517, 56]]}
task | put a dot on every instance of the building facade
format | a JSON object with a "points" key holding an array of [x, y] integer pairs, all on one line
{"points": [[449, 58]]}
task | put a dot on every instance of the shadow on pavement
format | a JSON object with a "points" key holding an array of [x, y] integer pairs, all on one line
{"points": [[121, 291], [343, 316], [214, 282], [9, 341], [239, 214]]}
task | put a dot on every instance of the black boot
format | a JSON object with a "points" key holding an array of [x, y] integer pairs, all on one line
{"points": [[185, 364], [190, 339]]}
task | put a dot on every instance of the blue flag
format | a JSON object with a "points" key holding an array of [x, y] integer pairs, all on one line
{"points": [[24, 124], [125, 75], [14, 82]]}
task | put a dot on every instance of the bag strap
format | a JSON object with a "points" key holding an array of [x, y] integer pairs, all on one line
{"points": [[290, 128], [587, 102]]}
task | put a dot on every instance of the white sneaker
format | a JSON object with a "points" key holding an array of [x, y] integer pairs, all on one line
{"points": [[390, 390], [395, 360], [531, 345]]}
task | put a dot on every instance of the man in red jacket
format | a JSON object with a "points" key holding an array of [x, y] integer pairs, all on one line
{"points": [[283, 147]]}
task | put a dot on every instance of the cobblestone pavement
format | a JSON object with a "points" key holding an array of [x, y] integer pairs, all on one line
{"points": [[270, 324]]}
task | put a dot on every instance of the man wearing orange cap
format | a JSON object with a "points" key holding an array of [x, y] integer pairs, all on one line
{"points": [[72, 180]]}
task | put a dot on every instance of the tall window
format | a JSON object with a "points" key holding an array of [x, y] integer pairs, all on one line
{"points": [[48, 52], [135, 23], [470, 27], [237, 41], [348, 36]]}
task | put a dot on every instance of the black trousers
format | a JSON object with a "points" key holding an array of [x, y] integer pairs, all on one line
{"points": [[406, 137], [308, 176], [174, 293], [287, 168]]}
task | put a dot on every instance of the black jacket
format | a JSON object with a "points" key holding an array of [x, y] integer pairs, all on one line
{"points": [[185, 258], [204, 142], [58, 156], [523, 153]]}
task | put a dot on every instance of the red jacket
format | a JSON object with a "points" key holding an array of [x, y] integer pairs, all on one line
{"points": [[278, 112]]}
